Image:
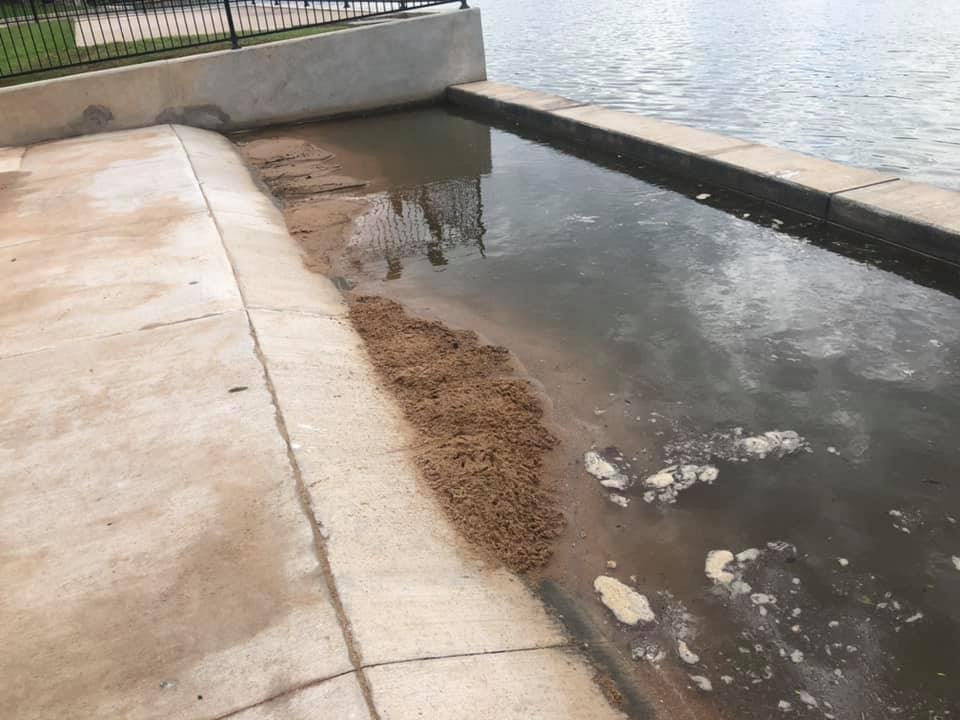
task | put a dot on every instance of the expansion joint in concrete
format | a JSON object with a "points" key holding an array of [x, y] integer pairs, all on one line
{"points": [[306, 504], [406, 661], [479, 653], [103, 336], [282, 694], [293, 311]]}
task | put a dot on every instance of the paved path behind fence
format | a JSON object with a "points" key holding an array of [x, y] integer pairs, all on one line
{"points": [[205, 21]]}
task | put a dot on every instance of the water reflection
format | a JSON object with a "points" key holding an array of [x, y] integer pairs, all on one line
{"points": [[428, 220], [425, 175]]}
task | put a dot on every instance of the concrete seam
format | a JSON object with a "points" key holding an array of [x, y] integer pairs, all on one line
{"points": [[104, 336], [298, 311], [282, 694], [867, 185], [742, 146], [829, 209], [71, 233], [306, 503], [320, 681], [478, 653]]}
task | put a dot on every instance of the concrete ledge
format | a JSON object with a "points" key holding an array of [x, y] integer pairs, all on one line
{"points": [[915, 216], [387, 64]]}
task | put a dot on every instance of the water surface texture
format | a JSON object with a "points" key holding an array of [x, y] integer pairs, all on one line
{"points": [[874, 83], [662, 316]]}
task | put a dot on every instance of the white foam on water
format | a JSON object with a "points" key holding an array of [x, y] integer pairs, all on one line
{"points": [[715, 566], [686, 654], [626, 604]]}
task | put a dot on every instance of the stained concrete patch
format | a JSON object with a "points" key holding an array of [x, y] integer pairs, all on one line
{"points": [[41, 208], [648, 130], [202, 116], [153, 547], [94, 153], [535, 685], [94, 119], [112, 280]]}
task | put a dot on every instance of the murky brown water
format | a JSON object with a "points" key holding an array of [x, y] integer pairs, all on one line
{"points": [[656, 322]]}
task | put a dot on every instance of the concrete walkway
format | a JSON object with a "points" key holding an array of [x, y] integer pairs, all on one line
{"points": [[206, 508], [206, 21]]}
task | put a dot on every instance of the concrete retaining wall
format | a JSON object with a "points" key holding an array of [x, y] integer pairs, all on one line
{"points": [[360, 69], [920, 217]]}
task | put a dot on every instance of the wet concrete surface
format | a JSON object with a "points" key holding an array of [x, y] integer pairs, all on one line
{"points": [[668, 321]]}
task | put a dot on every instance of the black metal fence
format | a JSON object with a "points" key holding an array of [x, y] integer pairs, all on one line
{"points": [[38, 36]]}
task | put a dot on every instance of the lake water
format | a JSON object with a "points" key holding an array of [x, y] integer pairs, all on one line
{"points": [[659, 319], [874, 83]]}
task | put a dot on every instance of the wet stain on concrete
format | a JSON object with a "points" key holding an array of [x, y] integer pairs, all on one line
{"points": [[95, 119], [211, 117], [226, 590]]}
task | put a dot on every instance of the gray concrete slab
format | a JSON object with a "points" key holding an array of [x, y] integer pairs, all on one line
{"points": [[288, 285], [112, 280], [787, 178], [537, 685], [917, 216], [44, 207], [95, 153], [155, 558]]}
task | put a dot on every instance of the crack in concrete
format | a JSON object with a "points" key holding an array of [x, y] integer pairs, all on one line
{"points": [[320, 681], [103, 336], [303, 494], [295, 311], [830, 196], [168, 323]]}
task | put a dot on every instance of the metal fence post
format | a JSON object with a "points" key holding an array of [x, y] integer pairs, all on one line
{"points": [[234, 40]]}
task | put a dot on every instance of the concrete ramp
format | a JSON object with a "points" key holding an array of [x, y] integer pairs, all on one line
{"points": [[207, 508]]}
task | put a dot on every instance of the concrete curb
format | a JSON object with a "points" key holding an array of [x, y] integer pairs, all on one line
{"points": [[921, 218]]}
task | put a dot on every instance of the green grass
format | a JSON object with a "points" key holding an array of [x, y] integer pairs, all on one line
{"points": [[16, 9], [50, 43]]}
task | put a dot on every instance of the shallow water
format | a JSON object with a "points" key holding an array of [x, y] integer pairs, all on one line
{"points": [[869, 82], [654, 318]]}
